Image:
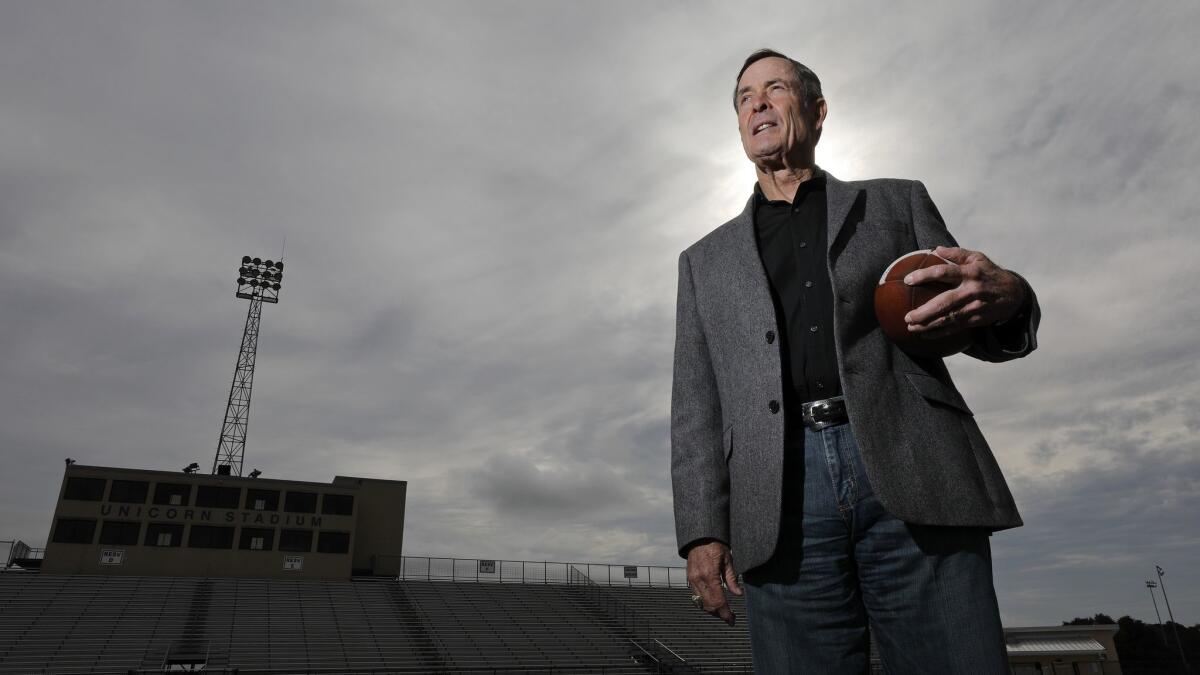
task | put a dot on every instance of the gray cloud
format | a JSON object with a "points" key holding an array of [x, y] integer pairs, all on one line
{"points": [[483, 204]]}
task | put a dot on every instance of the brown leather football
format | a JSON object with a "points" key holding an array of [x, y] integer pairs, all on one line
{"points": [[894, 299]]}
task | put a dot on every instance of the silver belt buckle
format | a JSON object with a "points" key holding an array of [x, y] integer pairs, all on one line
{"points": [[806, 412]]}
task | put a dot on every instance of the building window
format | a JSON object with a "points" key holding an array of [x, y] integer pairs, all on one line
{"points": [[164, 534], [295, 540], [74, 531], [85, 489], [120, 533], [128, 491], [210, 536], [262, 500], [333, 542], [300, 502], [337, 505], [256, 539], [218, 496], [172, 494]]}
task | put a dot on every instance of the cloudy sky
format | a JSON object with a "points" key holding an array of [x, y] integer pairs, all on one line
{"points": [[483, 204]]}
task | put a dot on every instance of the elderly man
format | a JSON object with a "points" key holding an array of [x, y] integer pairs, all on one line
{"points": [[844, 477]]}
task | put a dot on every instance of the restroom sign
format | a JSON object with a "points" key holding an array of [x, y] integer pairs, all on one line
{"points": [[293, 563]]}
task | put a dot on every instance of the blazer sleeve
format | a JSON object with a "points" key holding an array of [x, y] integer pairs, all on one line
{"points": [[699, 475], [1002, 342]]}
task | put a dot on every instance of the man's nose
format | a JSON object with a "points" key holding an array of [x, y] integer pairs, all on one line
{"points": [[758, 103]]}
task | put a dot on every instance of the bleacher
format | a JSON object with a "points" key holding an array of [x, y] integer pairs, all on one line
{"points": [[121, 624]]}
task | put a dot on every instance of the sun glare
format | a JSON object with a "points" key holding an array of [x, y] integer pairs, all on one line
{"points": [[842, 158]]}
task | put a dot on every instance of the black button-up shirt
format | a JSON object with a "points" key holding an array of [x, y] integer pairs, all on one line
{"points": [[792, 242]]}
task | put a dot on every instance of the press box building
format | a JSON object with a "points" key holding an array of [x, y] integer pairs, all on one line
{"points": [[151, 523]]}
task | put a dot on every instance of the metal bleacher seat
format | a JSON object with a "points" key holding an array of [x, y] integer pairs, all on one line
{"points": [[115, 624]]}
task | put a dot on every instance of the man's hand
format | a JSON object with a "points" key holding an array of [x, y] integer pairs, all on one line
{"points": [[984, 294], [707, 566]]}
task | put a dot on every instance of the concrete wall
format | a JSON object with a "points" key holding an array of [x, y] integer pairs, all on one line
{"points": [[377, 521]]}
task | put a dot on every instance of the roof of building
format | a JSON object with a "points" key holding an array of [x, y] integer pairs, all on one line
{"points": [[338, 481], [1045, 646]]}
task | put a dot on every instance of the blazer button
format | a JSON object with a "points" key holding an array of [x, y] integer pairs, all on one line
{"points": [[773, 406], [770, 337]]}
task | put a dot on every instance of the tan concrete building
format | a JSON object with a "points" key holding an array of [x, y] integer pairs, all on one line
{"points": [[159, 523]]}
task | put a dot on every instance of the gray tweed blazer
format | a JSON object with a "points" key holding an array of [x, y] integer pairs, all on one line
{"points": [[924, 454]]}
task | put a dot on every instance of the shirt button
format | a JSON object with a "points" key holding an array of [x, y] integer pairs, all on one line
{"points": [[770, 336], [808, 284], [773, 406], [812, 329]]}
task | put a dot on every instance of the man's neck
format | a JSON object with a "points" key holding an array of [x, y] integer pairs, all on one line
{"points": [[781, 185]]}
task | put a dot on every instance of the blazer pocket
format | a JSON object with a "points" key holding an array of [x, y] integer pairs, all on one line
{"points": [[933, 389], [728, 442]]}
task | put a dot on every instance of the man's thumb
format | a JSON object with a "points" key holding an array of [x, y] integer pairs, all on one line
{"points": [[731, 578]]}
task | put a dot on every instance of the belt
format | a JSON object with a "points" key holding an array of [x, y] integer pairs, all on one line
{"points": [[824, 413]]}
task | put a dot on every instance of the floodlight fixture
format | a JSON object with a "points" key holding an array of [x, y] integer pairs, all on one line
{"points": [[259, 279]]}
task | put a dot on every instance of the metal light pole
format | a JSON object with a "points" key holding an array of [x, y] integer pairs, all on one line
{"points": [[1174, 629], [258, 281], [1152, 585]]}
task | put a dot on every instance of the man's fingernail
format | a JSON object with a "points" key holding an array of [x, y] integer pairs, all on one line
{"points": [[908, 318], [909, 280]]}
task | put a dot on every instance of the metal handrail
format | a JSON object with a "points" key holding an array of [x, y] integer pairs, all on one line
{"points": [[482, 570], [672, 651], [645, 651]]}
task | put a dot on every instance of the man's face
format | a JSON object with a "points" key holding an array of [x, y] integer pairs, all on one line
{"points": [[776, 128]]}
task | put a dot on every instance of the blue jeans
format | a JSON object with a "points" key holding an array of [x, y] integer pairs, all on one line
{"points": [[843, 560]]}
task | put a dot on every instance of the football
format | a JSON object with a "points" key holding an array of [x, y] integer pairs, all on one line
{"points": [[894, 299]]}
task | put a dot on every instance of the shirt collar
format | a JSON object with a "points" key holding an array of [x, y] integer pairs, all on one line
{"points": [[817, 182]]}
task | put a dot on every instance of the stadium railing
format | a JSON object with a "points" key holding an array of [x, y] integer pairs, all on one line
{"points": [[481, 570]]}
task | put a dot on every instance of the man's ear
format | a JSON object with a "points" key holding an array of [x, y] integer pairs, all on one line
{"points": [[819, 110]]}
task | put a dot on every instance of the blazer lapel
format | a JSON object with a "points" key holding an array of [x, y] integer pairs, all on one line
{"points": [[745, 250], [839, 198]]}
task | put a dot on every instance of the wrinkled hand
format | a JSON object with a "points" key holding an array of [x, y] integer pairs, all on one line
{"points": [[983, 294], [707, 566]]}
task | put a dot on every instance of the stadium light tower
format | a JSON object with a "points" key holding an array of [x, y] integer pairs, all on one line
{"points": [[258, 281]]}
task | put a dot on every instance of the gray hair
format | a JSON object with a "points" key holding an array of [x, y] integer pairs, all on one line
{"points": [[805, 77]]}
